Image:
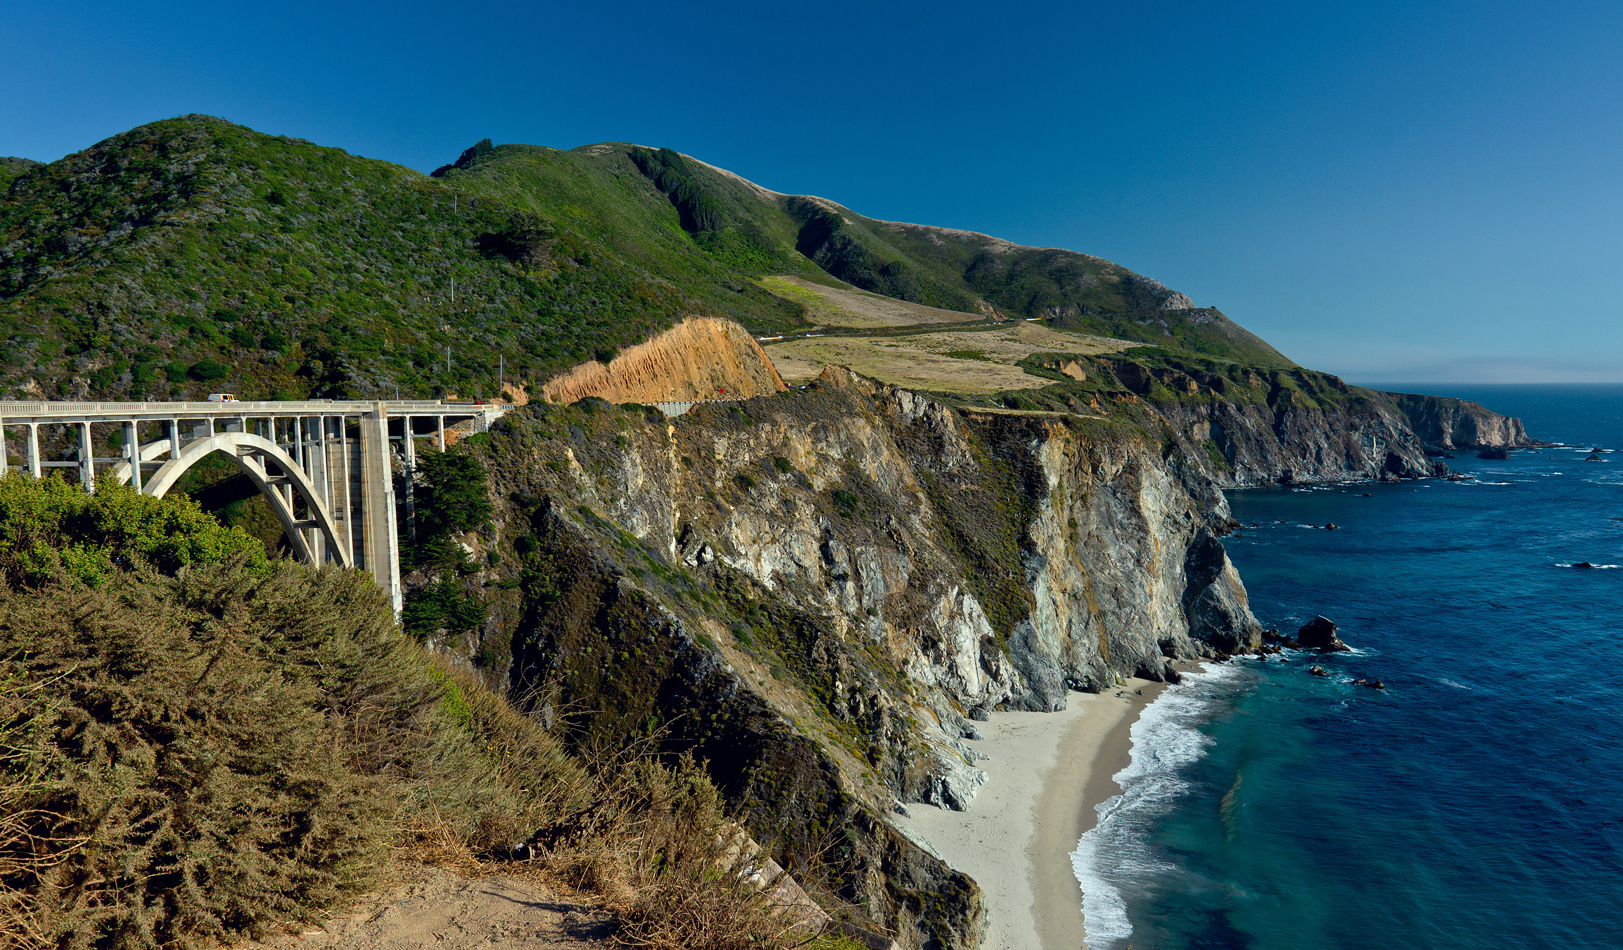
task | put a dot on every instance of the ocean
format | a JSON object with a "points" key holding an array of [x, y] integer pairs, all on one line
{"points": [[1477, 801]]}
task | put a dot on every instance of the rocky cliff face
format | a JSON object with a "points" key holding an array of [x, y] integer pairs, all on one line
{"points": [[820, 591], [1237, 445], [1444, 423], [699, 358], [1363, 435], [1243, 427]]}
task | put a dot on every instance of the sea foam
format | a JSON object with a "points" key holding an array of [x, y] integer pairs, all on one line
{"points": [[1166, 740]]}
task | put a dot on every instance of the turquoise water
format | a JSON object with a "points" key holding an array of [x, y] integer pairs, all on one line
{"points": [[1475, 803]]}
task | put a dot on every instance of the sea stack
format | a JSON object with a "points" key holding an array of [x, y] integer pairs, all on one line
{"points": [[1320, 634]]}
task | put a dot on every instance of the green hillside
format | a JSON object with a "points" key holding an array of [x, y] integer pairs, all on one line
{"points": [[192, 254]]}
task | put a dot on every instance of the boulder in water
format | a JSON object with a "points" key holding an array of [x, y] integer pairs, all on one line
{"points": [[1493, 452], [1584, 565], [1320, 634], [1318, 670]]}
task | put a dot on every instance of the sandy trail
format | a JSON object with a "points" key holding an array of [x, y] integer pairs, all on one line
{"points": [[436, 908]]}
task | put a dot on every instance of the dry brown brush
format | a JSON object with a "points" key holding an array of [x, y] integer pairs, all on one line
{"points": [[207, 755], [232, 751], [206, 749]]}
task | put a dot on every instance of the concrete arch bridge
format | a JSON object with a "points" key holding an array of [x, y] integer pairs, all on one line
{"points": [[323, 465]]}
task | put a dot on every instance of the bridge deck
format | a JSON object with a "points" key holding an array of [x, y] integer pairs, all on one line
{"points": [[51, 411]]}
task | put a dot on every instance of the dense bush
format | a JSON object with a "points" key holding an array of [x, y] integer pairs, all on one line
{"points": [[48, 526]]}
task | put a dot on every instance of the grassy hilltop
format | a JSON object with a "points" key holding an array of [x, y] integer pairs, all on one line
{"points": [[193, 254]]}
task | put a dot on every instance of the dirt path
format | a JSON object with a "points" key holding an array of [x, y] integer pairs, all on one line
{"points": [[437, 908]]}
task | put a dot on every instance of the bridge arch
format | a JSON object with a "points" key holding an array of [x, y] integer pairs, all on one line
{"points": [[249, 453]]}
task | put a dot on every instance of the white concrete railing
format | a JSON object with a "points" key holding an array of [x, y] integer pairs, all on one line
{"points": [[681, 408]]}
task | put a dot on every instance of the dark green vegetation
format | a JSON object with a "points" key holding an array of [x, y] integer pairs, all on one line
{"points": [[449, 498], [192, 254], [49, 527], [196, 747]]}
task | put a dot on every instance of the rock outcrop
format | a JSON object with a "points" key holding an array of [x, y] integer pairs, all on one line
{"points": [[699, 358], [1458, 423], [1239, 444], [1261, 427], [1320, 634]]}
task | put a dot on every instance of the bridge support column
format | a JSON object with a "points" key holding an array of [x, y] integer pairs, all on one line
{"points": [[408, 446], [33, 450], [347, 472], [132, 451], [382, 537], [87, 459]]}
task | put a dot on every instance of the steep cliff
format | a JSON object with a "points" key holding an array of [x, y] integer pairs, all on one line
{"points": [[1366, 435], [1444, 423], [699, 358], [1239, 445], [1236, 425], [820, 591]]}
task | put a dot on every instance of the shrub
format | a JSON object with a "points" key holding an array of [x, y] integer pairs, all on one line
{"points": [[49, 526], [198, 773], [218, 751], [207, 370]]}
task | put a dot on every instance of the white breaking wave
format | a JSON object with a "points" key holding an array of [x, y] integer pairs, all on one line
{"points": [[1113, 853]]}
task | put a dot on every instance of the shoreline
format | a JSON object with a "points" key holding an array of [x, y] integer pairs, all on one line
{"points": [[1067, 805], [1046, 774]]}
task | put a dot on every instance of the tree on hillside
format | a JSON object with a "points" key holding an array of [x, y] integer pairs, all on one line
{"points": [[450, 499]]}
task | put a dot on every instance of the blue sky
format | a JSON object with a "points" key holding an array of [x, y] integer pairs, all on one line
{"points": [[1417, 191]]}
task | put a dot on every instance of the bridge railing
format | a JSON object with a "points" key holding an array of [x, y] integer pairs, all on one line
{"points": [[393, 407]]}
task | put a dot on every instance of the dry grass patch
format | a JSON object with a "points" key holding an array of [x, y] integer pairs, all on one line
{"points": [[969, 362], [859, 309]]}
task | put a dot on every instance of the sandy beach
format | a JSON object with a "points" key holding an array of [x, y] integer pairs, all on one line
{"points": [[1046, 773]]}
